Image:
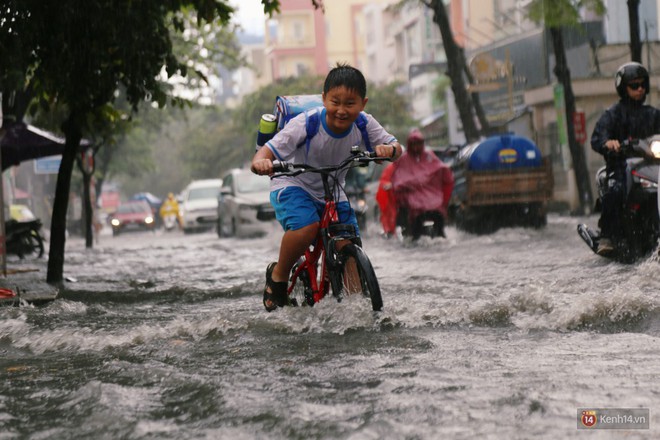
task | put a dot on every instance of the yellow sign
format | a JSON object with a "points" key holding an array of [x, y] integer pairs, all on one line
{"points": [[508, 155]]}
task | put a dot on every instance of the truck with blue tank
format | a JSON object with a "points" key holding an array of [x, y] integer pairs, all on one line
{"points": [[500, 181]]}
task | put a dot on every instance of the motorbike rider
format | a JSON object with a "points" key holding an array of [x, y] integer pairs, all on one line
{"points": [[628, 119], [422, 186], [170, 207]]}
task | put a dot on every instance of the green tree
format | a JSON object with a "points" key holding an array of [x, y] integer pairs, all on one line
{"points": [[391, 108], [556, 14], [202, 47], [78, 52], [213, 144]]}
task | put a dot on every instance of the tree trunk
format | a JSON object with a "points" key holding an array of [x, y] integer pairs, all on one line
{"points": [[72, 131], [88, 212], [563, 75], [635, 41], [455, 65], [476, 100], [102, 165]]}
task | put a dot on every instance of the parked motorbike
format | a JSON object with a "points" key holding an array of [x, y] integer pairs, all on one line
{"points": [[639, 214], [428, 223], [23, 238]]}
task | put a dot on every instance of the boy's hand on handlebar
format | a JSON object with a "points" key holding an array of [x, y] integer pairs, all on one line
{"points": [[262, 167], [388, 151]]}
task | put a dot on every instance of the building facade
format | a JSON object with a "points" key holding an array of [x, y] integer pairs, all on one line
{"points": [[303, 40], [295, 41], [511, 57]]}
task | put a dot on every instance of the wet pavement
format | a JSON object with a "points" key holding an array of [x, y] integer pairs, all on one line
{"points": [[501, 336]]}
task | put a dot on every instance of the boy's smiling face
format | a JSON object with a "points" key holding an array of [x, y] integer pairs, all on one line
{"points": [[342, 107]]}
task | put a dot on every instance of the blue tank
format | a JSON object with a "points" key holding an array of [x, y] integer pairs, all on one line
{"points": [[501, 152]]}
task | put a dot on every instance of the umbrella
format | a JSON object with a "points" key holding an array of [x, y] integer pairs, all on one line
{"points": [[23, 142]]}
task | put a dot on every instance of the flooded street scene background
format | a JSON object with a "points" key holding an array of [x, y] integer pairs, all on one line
{"points": [[504, 336]]}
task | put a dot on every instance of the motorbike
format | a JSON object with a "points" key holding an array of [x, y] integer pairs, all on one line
{"points": [[170, 222], [428, 223], [169, 214], [23, 238], [640, 222]]}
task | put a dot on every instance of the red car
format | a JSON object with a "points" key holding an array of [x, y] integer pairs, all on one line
{"points": [[135, 215]]}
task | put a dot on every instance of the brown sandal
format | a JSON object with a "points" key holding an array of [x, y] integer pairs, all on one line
{"points": [[277, 297]]}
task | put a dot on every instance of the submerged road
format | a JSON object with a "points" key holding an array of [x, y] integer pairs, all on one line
{"points": [[502, 336]]}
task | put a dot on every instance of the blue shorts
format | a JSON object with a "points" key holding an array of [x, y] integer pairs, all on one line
{"points": [[295, 208]]}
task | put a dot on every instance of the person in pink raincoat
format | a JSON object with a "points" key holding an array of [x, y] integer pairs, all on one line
{"points": [[386, 201], [422, 187]]}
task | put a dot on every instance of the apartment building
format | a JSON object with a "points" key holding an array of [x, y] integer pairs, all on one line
{"points": [[402, 41], [304, 40]]}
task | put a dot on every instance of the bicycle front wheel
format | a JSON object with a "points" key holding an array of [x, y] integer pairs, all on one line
{"points": [[302, 293], [357, 276], [38, 244], [32, 245]]}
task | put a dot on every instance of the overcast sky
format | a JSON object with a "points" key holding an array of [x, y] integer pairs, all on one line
{"points": [[250, 15]]}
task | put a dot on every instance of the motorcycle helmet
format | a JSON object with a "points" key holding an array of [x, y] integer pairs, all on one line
{"points": [[627, 73]]}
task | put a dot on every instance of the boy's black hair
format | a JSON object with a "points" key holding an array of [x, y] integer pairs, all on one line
{"points": [[344, 75]]}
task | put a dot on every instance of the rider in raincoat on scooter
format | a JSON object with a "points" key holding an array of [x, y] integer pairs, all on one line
{"points": [[422, 186], [628, 119], [169, 212]]}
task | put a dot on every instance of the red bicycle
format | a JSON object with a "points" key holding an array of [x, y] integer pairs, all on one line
{"points": [[336, 259]]}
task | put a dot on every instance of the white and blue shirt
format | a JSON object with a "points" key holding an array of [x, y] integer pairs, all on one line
{"points": [[325, 149]]}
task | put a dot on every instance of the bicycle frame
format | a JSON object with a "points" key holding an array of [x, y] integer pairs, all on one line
{"points": [[324, 246], [320, 286]]}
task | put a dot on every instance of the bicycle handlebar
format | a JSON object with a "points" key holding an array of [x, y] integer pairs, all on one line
{"points": [[283, 168]]}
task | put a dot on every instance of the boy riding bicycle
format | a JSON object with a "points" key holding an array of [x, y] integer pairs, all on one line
{"points": [[298, 201]]}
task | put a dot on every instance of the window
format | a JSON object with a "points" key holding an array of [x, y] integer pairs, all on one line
{"points": [[412, 41], [272, 31], [298, 31]]}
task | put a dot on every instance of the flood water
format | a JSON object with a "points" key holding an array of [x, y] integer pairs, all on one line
{"points": [[502, 336]]}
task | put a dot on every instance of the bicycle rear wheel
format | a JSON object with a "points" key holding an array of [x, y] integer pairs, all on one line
{"points": [[357, 276]]}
